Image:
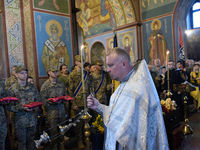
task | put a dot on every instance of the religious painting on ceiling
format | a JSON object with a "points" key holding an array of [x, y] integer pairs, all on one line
{"points": [[99, 16], [153, 8], [53, 41], [157, 38], [2, 51], [109, 44], [98, 52], [61, 6], [127, 40], [193, 44]]}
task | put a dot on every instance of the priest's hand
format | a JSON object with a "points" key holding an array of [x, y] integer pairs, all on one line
{"points": [[92, 102]]}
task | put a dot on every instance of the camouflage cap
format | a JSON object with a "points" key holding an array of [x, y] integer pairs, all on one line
{"points": [[20, 68], [78, 58], [52, 69], [98, 62]]}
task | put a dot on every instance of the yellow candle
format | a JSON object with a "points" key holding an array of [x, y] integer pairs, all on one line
{"points": [[167, 55]]}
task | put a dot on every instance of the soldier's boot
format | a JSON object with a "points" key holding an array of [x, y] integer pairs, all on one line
{"points": [[80, 144]]}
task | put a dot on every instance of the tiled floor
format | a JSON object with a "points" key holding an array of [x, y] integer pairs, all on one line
{"points": [[192, 141]]}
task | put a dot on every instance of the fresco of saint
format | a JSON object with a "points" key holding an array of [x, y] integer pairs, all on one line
{"points": [[54, 52], [110, 45], [126, 41], [157, 41]]}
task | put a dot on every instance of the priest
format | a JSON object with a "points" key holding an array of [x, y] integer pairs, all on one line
{"points": [[133, 118]]}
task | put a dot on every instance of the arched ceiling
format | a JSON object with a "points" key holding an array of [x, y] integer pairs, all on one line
{"points": [[118, 12], [123, 10]]}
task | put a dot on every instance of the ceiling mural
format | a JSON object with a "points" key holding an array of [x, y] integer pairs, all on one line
{"points": [[153, 8], [99, 16]]}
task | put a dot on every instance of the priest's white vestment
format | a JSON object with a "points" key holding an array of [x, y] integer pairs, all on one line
{"points": [[134, 116]]}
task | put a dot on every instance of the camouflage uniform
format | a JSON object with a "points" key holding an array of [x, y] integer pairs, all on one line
{"points": [[3, 129], [103, 93], [105, 88], [10, 81], [55, 112], [64, 79], [25, 122], [74, 81]]}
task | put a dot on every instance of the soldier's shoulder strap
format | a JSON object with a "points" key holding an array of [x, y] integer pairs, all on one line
{"points": [[80, 85], [100, 83]]}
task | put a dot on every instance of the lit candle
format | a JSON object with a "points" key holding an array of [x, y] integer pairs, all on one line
{"points": [[167, 55], [83, 84]]}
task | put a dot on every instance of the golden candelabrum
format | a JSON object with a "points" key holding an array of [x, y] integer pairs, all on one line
{"points": [[86, 117], [185, 87]]}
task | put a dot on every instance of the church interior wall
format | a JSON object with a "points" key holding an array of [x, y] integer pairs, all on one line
{"points": [[155, 42], [120, 18], [180, 14], [27, 24], [24, 32]]}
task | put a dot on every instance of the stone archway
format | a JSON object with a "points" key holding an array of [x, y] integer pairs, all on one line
{"points": [[97, 52]]}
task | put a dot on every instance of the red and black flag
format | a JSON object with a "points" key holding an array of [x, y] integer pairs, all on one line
{"points": [[181, 48]]}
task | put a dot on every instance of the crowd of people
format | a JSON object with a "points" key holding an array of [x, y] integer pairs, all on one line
{"points": [[178, 73], [24, 120], [98, 82]]}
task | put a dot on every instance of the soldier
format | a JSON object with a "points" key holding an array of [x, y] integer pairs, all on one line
{"points": [[92, 68], [64, 75], [25, 119], [75, 91], [54, 111], [12, 79], [9, 82], [101, 83], [87, 66], [64, 79], [3, 129]]}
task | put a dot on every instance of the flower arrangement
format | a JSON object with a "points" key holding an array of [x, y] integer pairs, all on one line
{"points": [[98, 124], [168, 105]]}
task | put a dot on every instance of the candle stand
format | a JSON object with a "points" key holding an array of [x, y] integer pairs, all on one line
{"points": [[169, 94], [86, 116], [185, 87]]}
